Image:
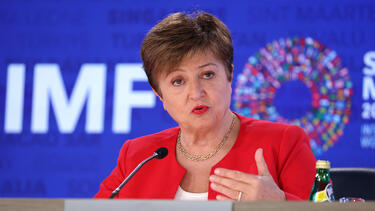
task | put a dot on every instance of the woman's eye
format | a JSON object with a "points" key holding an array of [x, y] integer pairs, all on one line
{"points": [[177, 82], [208, 75]]}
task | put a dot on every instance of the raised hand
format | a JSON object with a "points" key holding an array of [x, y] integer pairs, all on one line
{"points": [[230, 183]]}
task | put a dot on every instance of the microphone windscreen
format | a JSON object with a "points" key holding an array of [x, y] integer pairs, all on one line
{"points": [[161, 152]]}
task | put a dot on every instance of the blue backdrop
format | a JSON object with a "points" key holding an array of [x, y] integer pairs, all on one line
{"points": [[72, 89]]}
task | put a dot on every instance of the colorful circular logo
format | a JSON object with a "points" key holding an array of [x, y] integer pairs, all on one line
{"points": [[309, 62]]}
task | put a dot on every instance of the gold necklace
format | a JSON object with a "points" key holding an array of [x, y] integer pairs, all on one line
{"points": [[209, 155]]}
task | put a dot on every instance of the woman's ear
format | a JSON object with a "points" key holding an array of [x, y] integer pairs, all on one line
{"points": [[160, 97], [231, 79], [232, 73], [157, 94]]}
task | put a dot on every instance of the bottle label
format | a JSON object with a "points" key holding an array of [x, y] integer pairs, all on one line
{"points": [[329, 192], [324, 195]]}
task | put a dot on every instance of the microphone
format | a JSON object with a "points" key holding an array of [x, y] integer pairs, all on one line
{"points": [[158, 154]]}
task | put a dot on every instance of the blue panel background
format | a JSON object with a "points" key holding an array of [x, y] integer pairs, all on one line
{"points": [[71, 33]]}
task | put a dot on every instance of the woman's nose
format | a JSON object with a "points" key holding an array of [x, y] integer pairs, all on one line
{"points": [[196, 90]]}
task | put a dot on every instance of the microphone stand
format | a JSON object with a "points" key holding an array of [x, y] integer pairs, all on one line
{"points": [[115, 192]]}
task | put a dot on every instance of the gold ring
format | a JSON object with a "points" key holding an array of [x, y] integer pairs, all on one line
{"points": [[239, 196]]}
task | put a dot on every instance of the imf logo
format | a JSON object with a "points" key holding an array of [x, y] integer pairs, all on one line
{"points": [[48, 91]]}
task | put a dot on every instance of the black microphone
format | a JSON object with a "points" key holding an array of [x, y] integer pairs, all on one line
{"points": [[158, 154]]}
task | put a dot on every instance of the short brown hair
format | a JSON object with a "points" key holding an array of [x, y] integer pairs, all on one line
{"points": [[181, 34]]}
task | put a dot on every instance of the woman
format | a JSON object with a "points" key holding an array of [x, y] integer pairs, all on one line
{"points": [[214, 153]]}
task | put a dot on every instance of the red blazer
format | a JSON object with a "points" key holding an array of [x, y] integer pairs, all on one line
{"points": [[286, 151]]}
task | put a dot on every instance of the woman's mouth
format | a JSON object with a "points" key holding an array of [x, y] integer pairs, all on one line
{"points": [[200, 109]]}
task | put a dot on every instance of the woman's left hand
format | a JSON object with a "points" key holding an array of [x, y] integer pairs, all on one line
{"points": [[253, 187]]}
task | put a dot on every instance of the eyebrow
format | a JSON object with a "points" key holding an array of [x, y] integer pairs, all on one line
{"points": [[199, 67], [208, 64]]}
